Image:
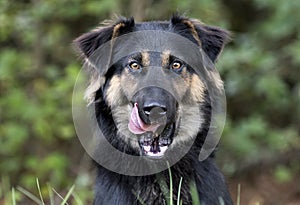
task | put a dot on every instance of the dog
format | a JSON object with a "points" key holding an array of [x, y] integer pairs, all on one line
{"points": [[152, 103]]}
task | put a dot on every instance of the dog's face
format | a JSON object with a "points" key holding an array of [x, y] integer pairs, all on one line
{"points": [[155, 100], [153, 116]]}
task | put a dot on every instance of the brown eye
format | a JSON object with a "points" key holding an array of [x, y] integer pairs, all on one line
{"points": [[176, 65], [134, 66]]}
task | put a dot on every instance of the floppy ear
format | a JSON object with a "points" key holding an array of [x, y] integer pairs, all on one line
{"points": [[211, 39], [89, 42]]}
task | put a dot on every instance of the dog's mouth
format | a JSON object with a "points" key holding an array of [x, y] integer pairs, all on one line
{"points": [[154, 145], [154, 138]]}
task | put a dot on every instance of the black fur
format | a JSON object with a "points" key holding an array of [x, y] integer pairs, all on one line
{"points": [[115, 189]]}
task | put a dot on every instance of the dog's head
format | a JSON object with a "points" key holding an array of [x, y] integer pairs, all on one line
{"points": [[151, 100]]}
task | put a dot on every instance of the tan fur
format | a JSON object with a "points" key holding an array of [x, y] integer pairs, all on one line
{"points": [[193, 30], [114, 91], [121, 111], [197, 89], [145, 59], [213, 75], [165, 56], [128, 83], [121, 115], [95, 82], [116, 30], [189, 124]]}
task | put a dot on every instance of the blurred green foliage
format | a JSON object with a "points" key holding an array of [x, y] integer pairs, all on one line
{"points": [[38, 69]]}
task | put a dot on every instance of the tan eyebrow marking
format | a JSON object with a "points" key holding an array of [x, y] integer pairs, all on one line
{"points": [[165, 56], [145, 58]]}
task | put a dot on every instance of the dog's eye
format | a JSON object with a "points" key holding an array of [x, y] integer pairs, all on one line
{"points": [[176, 65], [134, 66]]}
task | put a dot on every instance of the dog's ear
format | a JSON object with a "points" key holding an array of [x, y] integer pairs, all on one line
{"points": [[89, 42], [211, 39]]}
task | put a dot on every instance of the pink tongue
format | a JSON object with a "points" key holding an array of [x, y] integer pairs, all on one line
{"points": [[136, 125]]}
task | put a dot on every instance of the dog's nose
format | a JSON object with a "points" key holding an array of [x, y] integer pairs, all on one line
{"points": [[155, 105], [155, 112], [154, 109]]}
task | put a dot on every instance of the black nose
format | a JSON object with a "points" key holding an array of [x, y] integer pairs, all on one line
{"points": [[155, 112], [154, 108], [155, 105]]}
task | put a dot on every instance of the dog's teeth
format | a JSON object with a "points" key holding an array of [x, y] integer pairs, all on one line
{"points": [[154, 144], [147, 148], [161, 153]]}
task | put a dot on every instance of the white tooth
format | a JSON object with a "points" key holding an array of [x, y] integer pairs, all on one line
{"points": [[159, 154], [163, 149], [147, 148]]}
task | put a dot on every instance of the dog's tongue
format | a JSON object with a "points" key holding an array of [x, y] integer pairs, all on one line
{"points": [[136, 125]]}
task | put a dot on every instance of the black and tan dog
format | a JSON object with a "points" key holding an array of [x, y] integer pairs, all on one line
{"points": [[181, 117]]}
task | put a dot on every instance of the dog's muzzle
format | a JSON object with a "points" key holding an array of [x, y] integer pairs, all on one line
{"points": [[152, 119]]}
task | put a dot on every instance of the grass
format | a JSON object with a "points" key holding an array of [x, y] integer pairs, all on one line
{"points": [[52, 194], [179, 202], [18, 195], [71, 197], [168, 192], [194, 193], [13, 196], [238, 198]]}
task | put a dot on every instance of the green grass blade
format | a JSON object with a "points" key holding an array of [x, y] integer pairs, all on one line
{"points": [[13, 196], [171, 184], [194, 193], [68, 195], [29, 195], [179, 190], [39, 190], [77, 198], [60, 196], [238, 198], [51, 195]]}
